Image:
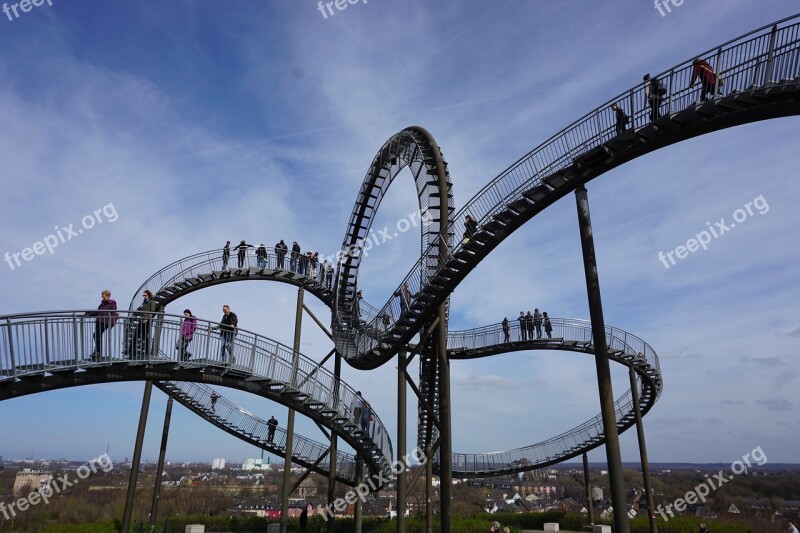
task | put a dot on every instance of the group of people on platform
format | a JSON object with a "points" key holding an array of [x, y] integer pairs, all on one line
{"points": [[529, 325], [307, 264], [139, 324], [655, 93]]}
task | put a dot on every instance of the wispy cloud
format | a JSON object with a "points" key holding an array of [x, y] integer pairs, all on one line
{"points": [[776, 404]]}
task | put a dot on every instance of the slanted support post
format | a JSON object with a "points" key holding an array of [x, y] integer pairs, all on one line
{"points": [[287, 458], [161, 456], [137, 458], [604, 385]]}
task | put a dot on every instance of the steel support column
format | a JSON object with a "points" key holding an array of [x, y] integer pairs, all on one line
{"points": [[337, 372], [429, 495], [287, 458], [613, 455], [137, 458], [402, 494], [358, 518], [446, 442], [586, 483], [648, 488], [160, 470]]}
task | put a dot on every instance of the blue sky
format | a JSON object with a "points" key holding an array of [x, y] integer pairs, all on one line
{"points": [[204, 122]]}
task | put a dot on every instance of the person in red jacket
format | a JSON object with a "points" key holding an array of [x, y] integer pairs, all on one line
{"points": [[702, 71]]}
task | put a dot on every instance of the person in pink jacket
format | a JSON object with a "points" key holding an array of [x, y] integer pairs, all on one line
{"points": [[188, 327]]}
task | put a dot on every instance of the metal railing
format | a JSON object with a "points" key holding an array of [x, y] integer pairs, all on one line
{"points": [[766, 57], [639, 353], [212, 261], [563, 329], [37, 343], [248, 426]]}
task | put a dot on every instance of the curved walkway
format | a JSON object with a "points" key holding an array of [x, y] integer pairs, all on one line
{"points": [[413, 148], [246, 426], [761, 74], [205, 269], [47, 351], [570, 335]]}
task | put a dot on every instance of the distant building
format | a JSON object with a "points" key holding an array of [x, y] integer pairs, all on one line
{"points": [[218, 463], [307, 489], [255, 464], [28, 480]]}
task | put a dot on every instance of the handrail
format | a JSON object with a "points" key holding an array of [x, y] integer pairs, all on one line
{"points": [[198, 264], [222, 412], [70, 335], [738, 61]]}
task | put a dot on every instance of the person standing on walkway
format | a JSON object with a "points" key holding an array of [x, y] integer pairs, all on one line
{"points": [[523, 330], [272, 424], [261, 255], [294, 257], [105, 317], [405, 297], [242, 252], [654, 93], [280, 253], [214, 398], [537, 322], [329, 275], [529, 324], [470, 227], [226, 255], [621, 117], [506, 330], [356, 406], [188, 327], [227, 332], [548, 327], [140, 339], [702, 71]]}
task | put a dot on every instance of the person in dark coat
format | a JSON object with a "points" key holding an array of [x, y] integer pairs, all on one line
{"points": [[261, 255], [654, 93], [523, 330], [280, 253], [529, 324], [304, 519], [295, 256], [622, 118], [702, 71], [105, 317], [272, 424], [242, 252], [506, 330], [470, 227], [537, 323], [548, 327], [140, 338], [227, 331], [226, 254]]}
